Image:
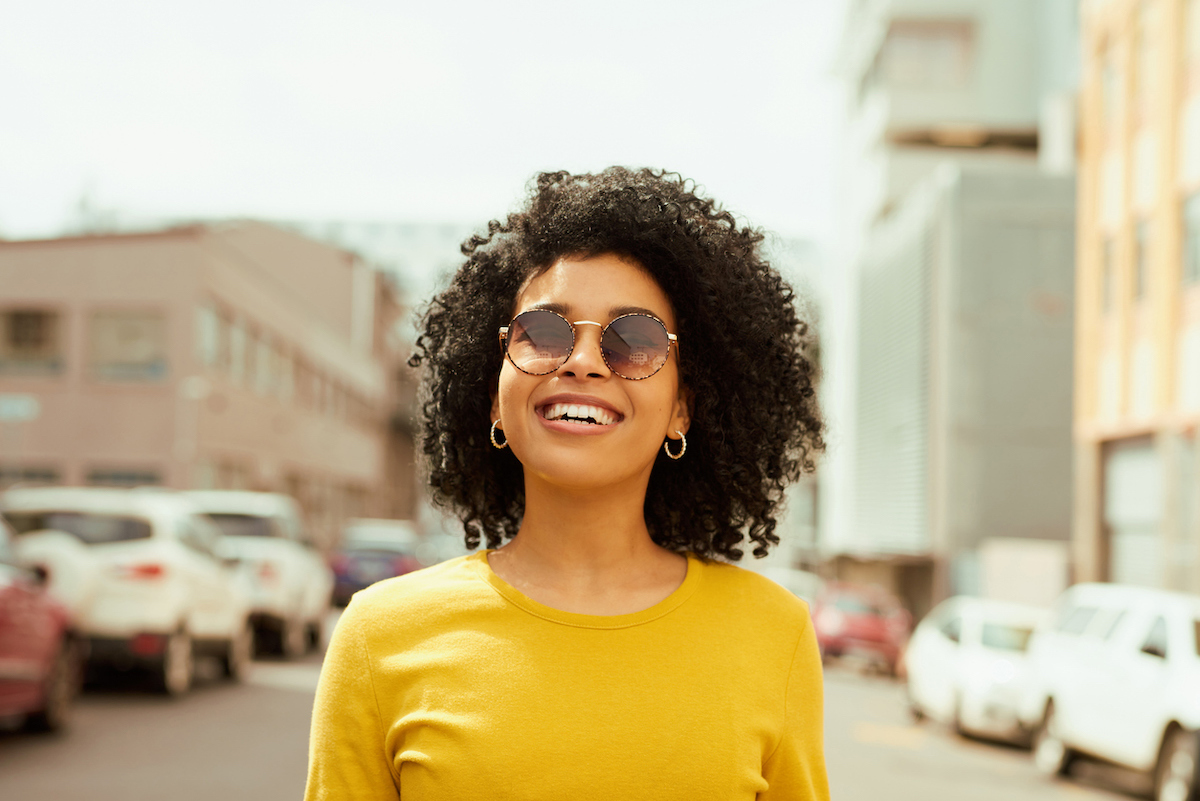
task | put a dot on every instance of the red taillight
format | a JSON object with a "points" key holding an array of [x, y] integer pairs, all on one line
{"points": [[148, 644], [404, 564], [145, 570]]}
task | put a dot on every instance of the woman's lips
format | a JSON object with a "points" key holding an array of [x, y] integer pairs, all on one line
{"points": [[578, 416], [588, 414]]}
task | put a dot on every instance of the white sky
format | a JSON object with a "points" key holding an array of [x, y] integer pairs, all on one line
{"points": [[432, 111]]}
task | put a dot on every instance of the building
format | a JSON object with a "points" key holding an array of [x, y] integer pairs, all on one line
{"points": [[986, 87], [1137, 451], [232, 355], [963, 406]]}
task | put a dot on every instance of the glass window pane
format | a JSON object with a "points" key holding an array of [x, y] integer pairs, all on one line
{"points": [[1191, 239], [1007, 638], [207, 335], [30, 342], [1076, 620], [128, 346]]}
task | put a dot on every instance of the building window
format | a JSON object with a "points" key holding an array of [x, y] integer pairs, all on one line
{"points": [[266, 366], [1192, 25], [1141, 263], [10, 475], [30, 342], [252, 365], [1110, 91], [237, 350], [129, 346], [208, 335], [1145, 34], [284, 375], [123, 477], [928, 54], [1191, 239]]}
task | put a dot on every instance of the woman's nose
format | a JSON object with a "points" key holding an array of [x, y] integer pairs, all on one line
{"points": [[586, 358]]}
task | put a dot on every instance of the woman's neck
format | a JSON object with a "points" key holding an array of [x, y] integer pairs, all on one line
{"points": [[588, 552]]}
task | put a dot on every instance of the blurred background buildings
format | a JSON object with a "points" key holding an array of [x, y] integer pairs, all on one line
{"points": [[225, 356], [949, 362], [1008, 320], [1137, 390]]}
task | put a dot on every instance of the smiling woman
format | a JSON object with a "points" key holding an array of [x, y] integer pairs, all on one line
{"points": [[616, 396]]}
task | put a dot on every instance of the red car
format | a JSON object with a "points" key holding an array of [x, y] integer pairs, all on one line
{"points": [[39, 656], [861, 622]]}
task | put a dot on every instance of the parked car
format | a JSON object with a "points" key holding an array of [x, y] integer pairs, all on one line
{"points": [[865, 623], [1115, 674], [141, 573], [289, 579], [39, 651], [965, 665], [370, 551]]}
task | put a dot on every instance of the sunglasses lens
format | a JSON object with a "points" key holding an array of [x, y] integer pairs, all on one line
{"points": [[635, 346], [539, 342]]}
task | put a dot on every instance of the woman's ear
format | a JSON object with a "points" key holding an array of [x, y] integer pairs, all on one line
{"points": [[681, 417], [495, 412]]}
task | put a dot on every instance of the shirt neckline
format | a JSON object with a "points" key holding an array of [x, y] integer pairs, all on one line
{"points": [[691, 581]]}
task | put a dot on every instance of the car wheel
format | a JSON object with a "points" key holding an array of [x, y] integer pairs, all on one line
{"points": [[62, 685], [241, 650], [316, 633], [1050, 754], [178, 665], [293, 639], [915, 713], [1175, 775], [956, 722]]}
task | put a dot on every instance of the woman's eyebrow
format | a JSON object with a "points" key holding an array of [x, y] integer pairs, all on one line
{"points": [[618, 311]]}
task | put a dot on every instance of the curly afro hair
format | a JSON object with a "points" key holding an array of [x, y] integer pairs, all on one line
{"points": [[755, 425]]}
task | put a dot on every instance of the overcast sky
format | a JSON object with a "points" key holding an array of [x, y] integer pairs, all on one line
{"points": [[433, 111]]}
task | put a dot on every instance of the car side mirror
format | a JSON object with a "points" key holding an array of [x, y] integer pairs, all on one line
{"points": [[1154, 650], [41, 575]]}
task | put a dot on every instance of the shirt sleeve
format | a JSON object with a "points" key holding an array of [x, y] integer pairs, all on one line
{"points": [[795, 771], [347, 758]]}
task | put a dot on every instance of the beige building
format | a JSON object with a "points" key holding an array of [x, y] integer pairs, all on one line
{"points": [[230, 355], [1137, 498]]}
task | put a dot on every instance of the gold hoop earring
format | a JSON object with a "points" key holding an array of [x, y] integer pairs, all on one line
{"points": [[497, 445], [682, 449]]}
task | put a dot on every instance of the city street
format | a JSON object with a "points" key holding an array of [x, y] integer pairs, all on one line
{"points": [[232, 742]]}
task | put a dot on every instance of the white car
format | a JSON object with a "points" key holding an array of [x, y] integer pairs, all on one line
{"points": [[1115, 674], [140, 573], [291, 585], [966, 664]]}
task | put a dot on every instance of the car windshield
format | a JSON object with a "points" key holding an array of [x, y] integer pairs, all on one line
{"points": [[232, 525], [1007, 638], [853, 605], [90, 527]]}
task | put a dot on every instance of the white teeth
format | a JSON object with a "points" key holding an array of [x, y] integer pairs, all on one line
{"points": [[579, 413]]}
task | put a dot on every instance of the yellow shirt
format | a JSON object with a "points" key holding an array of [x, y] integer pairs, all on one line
{"points": [[448, 683]]}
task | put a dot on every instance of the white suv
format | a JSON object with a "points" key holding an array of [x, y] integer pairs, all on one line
{"points": [[290, 580], [140, 572], [1115, 673]]}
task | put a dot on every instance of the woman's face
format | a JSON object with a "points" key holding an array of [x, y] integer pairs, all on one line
{"points": [[636, 415]]}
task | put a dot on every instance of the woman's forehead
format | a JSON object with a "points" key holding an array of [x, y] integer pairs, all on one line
{"points": [[598, 286]]}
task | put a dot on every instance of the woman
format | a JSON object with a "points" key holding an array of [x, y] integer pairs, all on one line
{"points": [[617, 395]]}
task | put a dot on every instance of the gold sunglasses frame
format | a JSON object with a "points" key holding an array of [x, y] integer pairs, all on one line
{"points": [[672, 339]]}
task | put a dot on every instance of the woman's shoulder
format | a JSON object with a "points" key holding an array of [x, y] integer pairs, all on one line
{"points": [[738, 586], [437, 587]]}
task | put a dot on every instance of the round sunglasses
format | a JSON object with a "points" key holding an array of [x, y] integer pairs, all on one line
{"points": [[634, 346]]}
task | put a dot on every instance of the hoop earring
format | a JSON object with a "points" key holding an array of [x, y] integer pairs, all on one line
{"points": [[682, 449], [497, 445]]}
